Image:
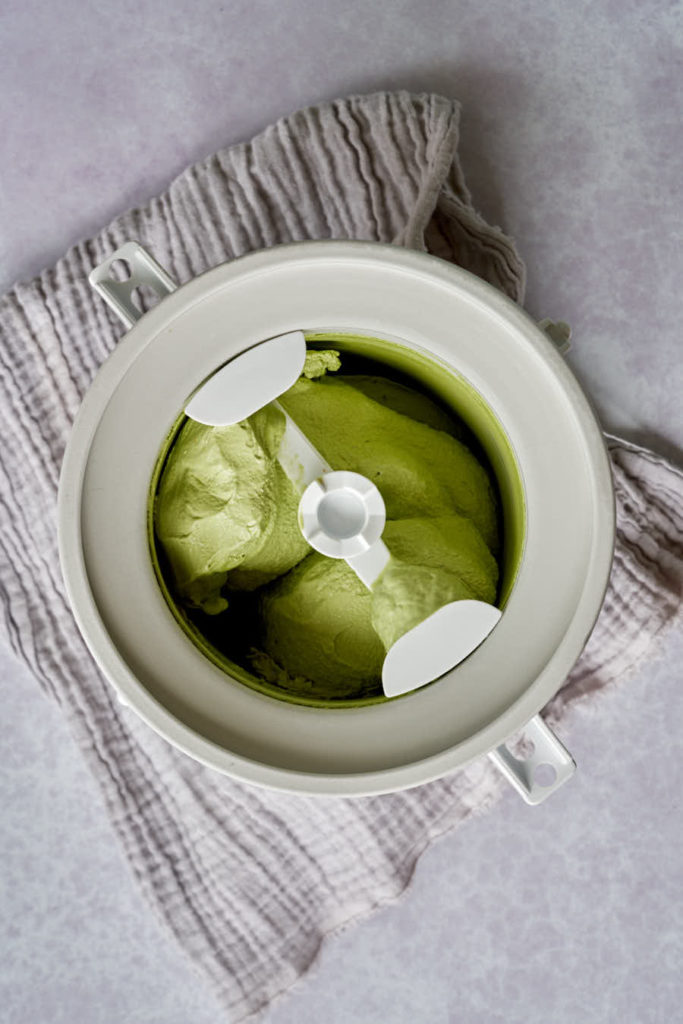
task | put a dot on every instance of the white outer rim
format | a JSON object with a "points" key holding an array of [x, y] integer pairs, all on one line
{"points": [[132, 692]]}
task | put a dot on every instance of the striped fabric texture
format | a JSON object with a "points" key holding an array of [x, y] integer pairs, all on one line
{"points": [[209, 853]]}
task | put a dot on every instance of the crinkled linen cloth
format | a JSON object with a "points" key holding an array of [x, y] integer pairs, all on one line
{"points": [[211, 854]]}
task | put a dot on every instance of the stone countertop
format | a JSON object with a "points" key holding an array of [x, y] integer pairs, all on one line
{"points": [[571, 141]]}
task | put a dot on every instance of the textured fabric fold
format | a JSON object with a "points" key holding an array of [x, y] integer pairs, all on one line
{"points": [[210, 853]]}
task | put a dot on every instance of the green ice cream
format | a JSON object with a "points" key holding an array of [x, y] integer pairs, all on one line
{"points": [[434, 561], [348, 629], [226, 511], [226, 515], [420, 471], [317, 623]]}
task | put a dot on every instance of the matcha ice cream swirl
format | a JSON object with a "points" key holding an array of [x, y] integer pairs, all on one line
{"points": [[226, 516]]}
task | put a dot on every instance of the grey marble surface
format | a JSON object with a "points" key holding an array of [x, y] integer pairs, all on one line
{"points": [[572, 141]]}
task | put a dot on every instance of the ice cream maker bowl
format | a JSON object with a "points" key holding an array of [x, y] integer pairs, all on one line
{"points": [[443, 331]]}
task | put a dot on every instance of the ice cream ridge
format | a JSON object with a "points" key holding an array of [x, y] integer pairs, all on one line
{"points": [[226, 518]]}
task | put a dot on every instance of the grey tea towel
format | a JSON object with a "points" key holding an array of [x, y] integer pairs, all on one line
{"points": [[211, 853]]}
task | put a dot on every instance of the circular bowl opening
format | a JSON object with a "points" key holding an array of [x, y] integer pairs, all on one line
{"points": [[483, 434]]}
